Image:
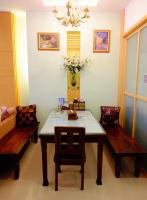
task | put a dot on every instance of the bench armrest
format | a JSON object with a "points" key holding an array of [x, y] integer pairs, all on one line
{"points": [[7, 124]]}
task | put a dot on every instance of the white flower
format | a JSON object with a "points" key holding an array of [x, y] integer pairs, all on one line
{"points": [[74, 64]]}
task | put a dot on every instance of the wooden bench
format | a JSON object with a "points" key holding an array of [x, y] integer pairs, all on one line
{"points": [[124, 146], [13, 145]]}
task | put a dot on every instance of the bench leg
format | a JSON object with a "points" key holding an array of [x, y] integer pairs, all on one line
{"points": [[117, 166], [16, 171], [137, 166], [35, 136]]}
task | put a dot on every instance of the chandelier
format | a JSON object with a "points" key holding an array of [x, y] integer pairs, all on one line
{"points": [[73, 15]]}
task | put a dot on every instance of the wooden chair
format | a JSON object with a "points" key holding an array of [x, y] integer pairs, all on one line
{"points": [[69, 149], [79, 105]]}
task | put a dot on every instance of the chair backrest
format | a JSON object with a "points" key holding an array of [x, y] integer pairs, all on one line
{"points": [[109, 115], [69, 141], [79, 105]]}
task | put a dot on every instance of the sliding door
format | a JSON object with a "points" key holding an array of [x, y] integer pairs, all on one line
{"points": [[130, 83], [135, 86], [141, 105]]}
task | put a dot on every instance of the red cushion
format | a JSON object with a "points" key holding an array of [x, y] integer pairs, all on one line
{"points": [[109, 115], [26, 115]]}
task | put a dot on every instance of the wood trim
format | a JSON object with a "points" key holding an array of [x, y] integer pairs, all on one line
{"points": [[129, 94], [136, 26], [137, 31], [141, 98], [121, 68], [124, 81], [138, 97]]}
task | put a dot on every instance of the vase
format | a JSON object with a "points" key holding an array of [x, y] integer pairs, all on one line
{"points": [[73, 79]]}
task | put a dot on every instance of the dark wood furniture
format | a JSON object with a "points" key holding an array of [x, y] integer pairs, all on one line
{"points": [[76, 105], [89, 138], [69, 150], [124, 145], [94, 134], [13, 145], [79, 105]]}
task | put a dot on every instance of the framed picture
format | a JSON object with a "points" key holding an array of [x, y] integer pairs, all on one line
{"points": [[48, 41], [101, 41]]}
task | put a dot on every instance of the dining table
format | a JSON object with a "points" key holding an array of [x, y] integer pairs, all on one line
{"points": [[94, 133]]}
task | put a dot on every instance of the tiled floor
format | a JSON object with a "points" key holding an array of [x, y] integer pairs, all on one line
{"points": [[29, 186]]}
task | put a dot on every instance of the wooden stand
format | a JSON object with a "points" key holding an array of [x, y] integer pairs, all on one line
{"points": [[72, 115]]}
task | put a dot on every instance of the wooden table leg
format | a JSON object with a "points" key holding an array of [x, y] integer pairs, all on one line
{"points": [[99, 161], [44, 162]]}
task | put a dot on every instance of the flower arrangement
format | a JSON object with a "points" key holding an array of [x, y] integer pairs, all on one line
{"points": [[74, 64]]}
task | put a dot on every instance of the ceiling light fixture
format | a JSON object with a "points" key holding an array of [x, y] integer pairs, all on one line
{"points": [[73, 14]]}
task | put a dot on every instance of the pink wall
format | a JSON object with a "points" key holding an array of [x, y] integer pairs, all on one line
{"points": [[134, 12]]}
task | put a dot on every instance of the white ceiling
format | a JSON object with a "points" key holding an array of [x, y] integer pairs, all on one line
{"points": [[37, 5], [63, 2]]}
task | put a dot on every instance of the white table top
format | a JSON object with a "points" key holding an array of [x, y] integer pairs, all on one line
{"points": [[85, 119]]}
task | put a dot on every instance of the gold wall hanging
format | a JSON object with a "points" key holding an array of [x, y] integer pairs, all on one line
{"points": [[73, 49]]}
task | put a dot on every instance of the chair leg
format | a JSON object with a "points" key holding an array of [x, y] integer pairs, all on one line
{"points": [[59, 169], [82, 177]]}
